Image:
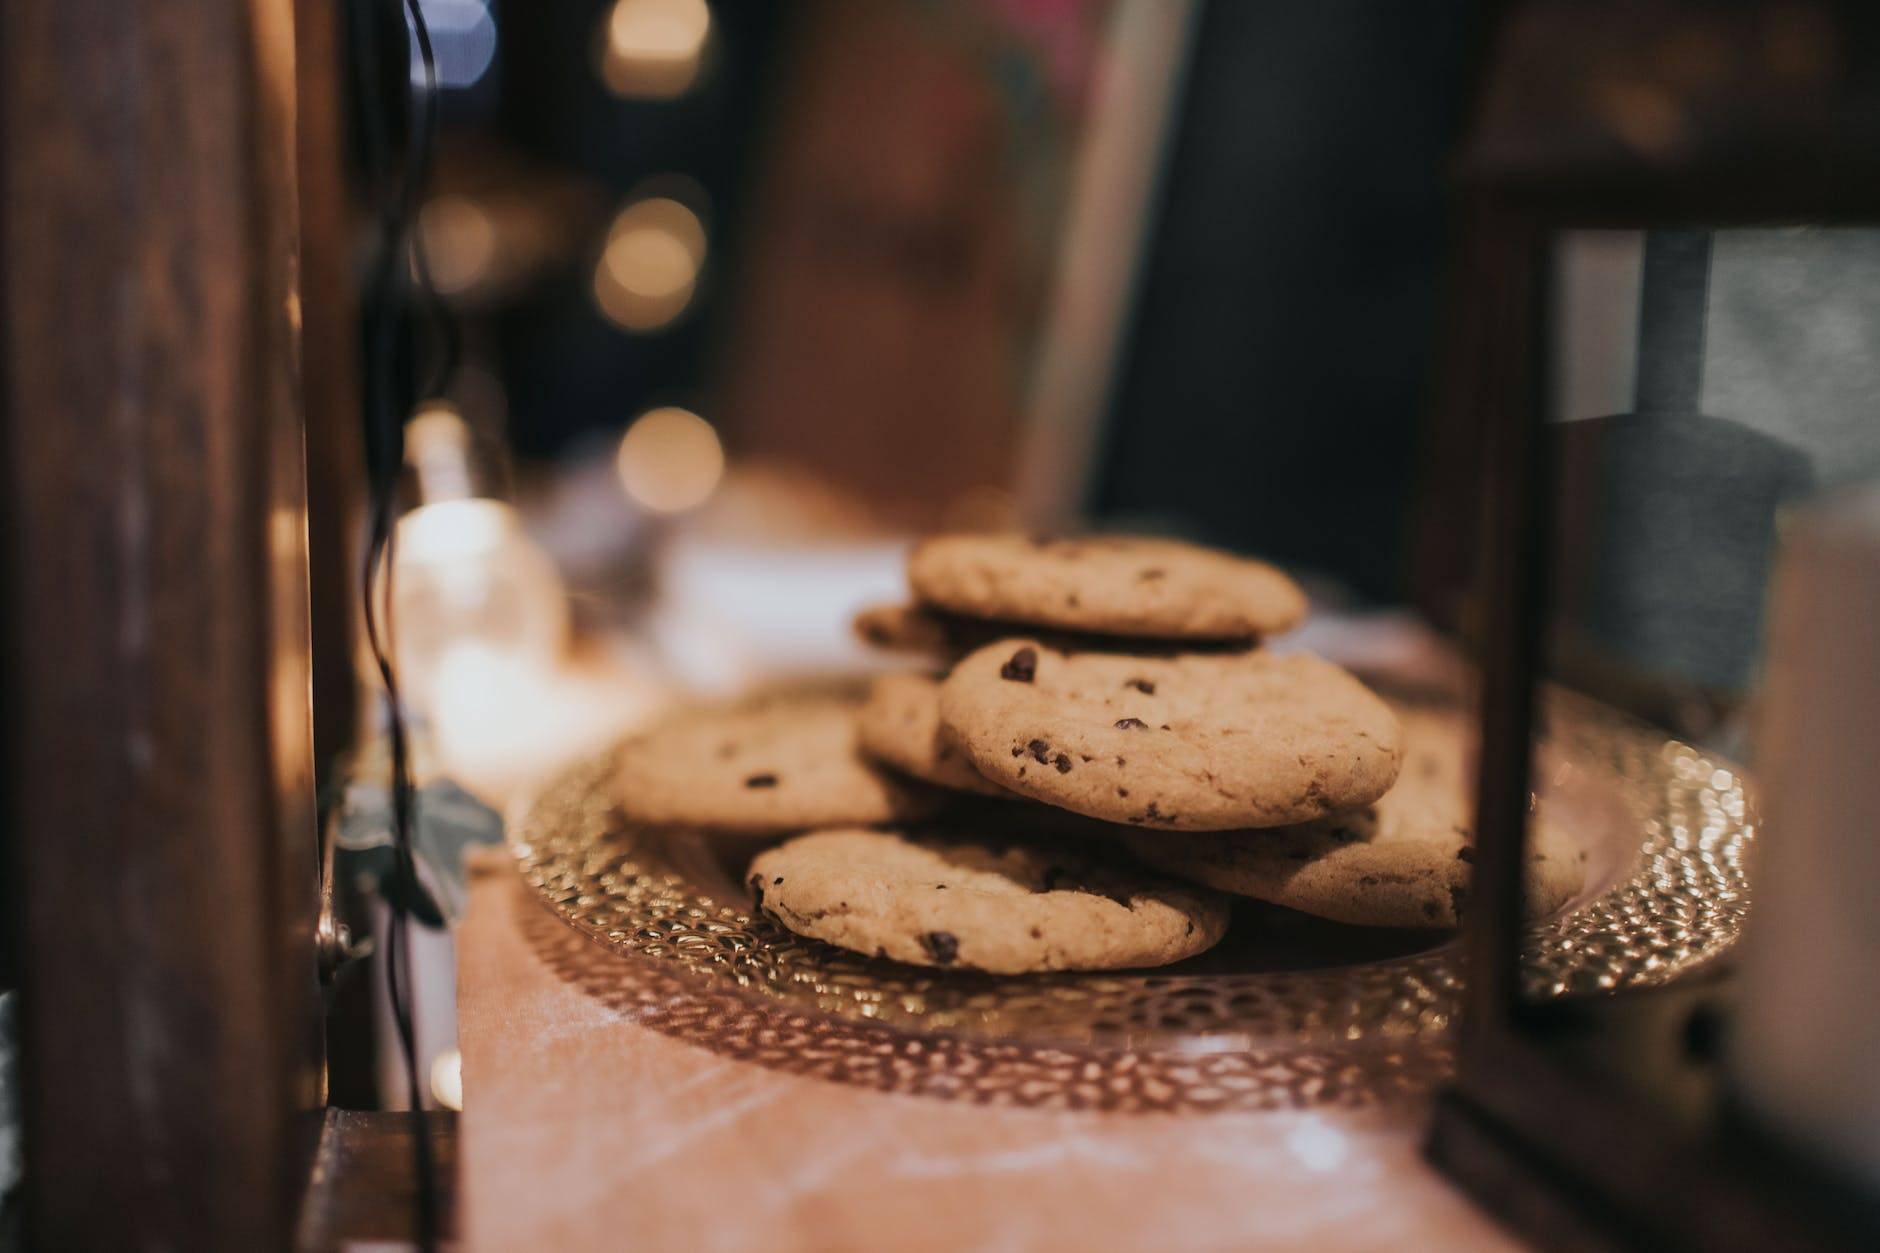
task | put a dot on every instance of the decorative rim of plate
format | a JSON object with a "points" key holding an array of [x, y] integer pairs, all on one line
{"points": [[1678, 906]]}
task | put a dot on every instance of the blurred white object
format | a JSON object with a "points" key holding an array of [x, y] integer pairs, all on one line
{"points": [[1808, 1030], [505, 720], [467, 573], [732, 614]]}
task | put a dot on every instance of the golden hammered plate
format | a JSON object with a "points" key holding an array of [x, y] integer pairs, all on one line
{"points": [[1286, 1002]]}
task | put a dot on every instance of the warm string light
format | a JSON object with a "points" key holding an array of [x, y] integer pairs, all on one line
{"points": [[650, 266], [459, 242], [670, 460], [653, 49]]}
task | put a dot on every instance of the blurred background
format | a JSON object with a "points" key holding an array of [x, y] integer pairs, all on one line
{"points": [[747, 294]]}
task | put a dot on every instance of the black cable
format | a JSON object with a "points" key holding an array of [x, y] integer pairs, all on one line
{"points": [[398, 188]]}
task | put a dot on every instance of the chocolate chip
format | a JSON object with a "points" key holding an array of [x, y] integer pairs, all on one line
{"points": [[1122, 791], [1037, 933], [1022, 668], [1130, 724], [1466, 854], [942, 946], [761, 780], [1151, 812], [1165, 726], [1142, 685], [1018, 750], [777, 882], [757, 889], [1063, 763], [1458, 897], [1150, 575], [1040, 752]]}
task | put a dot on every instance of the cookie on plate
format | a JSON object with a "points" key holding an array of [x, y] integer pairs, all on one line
{"points": [[1108, 585], [946, 637], [899, 725], [1198, 742], [959, 898], [786, 765], [909, 629], [1405, 861]]}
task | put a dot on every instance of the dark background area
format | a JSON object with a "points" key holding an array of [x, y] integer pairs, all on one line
{"points": [[1276, 367], [571, 375], [1282, 348]]}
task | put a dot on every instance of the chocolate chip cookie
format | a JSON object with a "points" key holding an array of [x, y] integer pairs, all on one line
{"points": [[955, 898], [1405, 861], [1159, 589], [900, 727], [944, 637], [1200, 743], [786, 765]]}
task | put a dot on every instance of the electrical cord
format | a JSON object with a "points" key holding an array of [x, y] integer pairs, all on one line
{"points": [[396, 182]]}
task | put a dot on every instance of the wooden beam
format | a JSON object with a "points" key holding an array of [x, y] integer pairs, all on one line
{"points": [[159, 776]]}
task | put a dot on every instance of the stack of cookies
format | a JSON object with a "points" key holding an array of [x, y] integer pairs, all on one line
{"points": [[1099, 753]]}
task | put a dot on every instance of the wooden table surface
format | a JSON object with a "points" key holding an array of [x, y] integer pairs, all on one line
{"points": [[606, 1106]]}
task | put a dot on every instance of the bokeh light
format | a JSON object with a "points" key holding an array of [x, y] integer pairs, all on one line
{"points": [[670, 460], [459, 242], [463, 38], [647, 272], [652, 49], [447, 1079]]}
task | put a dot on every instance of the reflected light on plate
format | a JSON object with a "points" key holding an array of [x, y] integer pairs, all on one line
{"points": [[459, 242], [651, 263], [670, 460], [652, 49]]}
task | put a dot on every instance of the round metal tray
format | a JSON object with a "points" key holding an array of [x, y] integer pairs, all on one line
{"points": [[1286, 1009]]}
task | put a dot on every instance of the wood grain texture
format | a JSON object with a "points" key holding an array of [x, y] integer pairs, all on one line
{"points": [[329, 377], [584, 1127], [159, 786], [365, 1188]]}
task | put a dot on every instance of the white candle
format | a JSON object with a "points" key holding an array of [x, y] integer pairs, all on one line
{"points": [[1806, 1049]]}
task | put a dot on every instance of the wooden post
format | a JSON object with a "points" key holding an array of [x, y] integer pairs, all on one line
{"points": [[154, 581], [330, 378]]}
